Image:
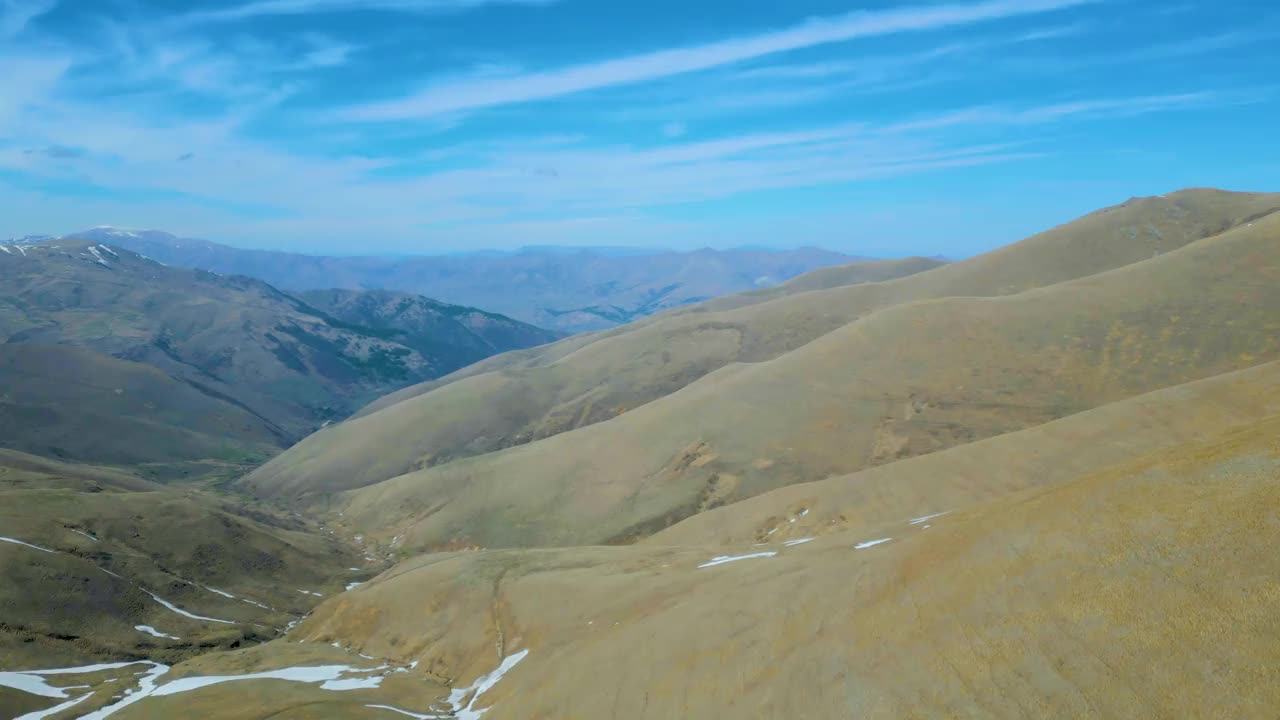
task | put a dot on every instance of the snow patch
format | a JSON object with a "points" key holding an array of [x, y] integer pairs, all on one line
{"points": [[353, 586], [871, 543], [19, 542], [154, 632], [801, 541], [722, 559], [407, 713], [926, 518], [6, 249], [481, 686], [84, 534], [184, 613], [329, 677], [216, 591], [145, 688], [308, 592], [33, 682]]}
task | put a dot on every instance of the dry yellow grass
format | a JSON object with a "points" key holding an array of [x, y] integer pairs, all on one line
{"points": [[521, 397], [1147, 589], [908, 380]]}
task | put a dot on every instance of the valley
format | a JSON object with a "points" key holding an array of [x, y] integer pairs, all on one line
{"points": [[1041, 481]]}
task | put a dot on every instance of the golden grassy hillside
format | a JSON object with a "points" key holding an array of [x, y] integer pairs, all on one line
{"points": [[908, 380], [513, 400], [1146, 589], [981, 471]]}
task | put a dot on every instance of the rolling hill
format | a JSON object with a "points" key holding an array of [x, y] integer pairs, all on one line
{"points": [[1037, 483], [567, 289], [879, 390], [728, 365], [88, 555], [1140, 588]]}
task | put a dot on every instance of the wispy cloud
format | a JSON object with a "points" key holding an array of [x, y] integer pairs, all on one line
{"points": [[265, 8], [15, 15], [481, 93]]}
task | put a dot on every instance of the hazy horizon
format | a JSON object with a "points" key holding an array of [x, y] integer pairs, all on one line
{"points": [[439, 126]]}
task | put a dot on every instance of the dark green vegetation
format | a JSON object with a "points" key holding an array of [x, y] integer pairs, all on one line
{"points": [[563, 288]]}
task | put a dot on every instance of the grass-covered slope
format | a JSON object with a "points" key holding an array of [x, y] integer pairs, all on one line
{"points": [[908, 380], [198, 366], [1143, 589], [105, 542], [516, 399], [67, 402]]}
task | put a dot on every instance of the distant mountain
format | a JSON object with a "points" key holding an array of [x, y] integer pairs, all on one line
{"points": [[569, 289], [106, 356]]}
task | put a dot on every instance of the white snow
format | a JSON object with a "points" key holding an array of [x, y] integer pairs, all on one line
{"points": [[38, 714], [416, 716], [6, 249], [219, 592], [84, 534], [154, 632], [30, 684], [106, 249], [145, 688], [254, 602], [308, 592], [33, 682], [330, 677], [871, 543], [365, 683], [771, 532], [803, 512], [926, 518], [801, 541], [354, 585], [722, 559], [98, 256], [19, 542], [21, 250], [480, 687], [184, 613]]}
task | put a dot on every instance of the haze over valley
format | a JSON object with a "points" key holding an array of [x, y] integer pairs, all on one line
{"points": [[547, 359]]}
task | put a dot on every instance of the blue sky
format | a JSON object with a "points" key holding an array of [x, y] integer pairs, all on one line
{"points": [[885, 128]]}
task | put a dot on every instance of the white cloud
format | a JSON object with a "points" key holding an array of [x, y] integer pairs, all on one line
{"points": [[264, 8], [29, 83], [481, 93], [503, 184], [325, 52]]}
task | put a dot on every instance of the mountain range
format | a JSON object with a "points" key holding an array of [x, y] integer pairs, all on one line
{"points": [[109, 357], [565, 289], [1041, 482]]}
